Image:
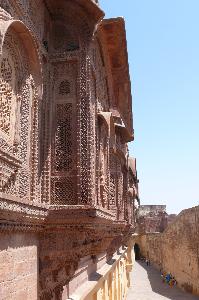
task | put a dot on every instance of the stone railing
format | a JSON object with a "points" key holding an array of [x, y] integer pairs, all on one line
{"points": [[111, 281]]}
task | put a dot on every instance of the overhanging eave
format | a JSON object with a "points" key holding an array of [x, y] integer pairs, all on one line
{"points": [[113, 33]]}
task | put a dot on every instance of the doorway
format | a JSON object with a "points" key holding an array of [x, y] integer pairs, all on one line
{"points": [[137, 252]]}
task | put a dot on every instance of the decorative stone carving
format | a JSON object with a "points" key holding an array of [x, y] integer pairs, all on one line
{"points": [[60, 176], [64, 182], [104, 172], [9, 167], [7, 96], [4, 14]]}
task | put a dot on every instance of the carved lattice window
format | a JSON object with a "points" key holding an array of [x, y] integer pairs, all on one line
{"points": [[112, 190], [116, 182], [18, 128], [64, 156], [65, 192], [6, 95], [64, 87], [6, 70], [120, 189], [63, 138]]}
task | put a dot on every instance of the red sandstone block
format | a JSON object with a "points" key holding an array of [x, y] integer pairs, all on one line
{"points": [[31, 280], [21, 295], [6, 257], [32, 267], [21, 254], [32, 293], [7, 298], [32, 253], [6, 290], [20, 284], [6, 272], [21, 269]]}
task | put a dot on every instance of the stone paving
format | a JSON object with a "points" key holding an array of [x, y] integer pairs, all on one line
{"points": [[147, 285]]}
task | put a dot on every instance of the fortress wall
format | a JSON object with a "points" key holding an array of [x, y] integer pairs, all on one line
{"points": [[18, 266], [176, 250]]}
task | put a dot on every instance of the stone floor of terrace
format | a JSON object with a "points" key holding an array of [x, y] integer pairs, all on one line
{"points": [[147, 285]]}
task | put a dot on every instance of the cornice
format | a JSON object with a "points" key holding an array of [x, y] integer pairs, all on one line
{"points": [[8, 204], [113, 34], [79, 214], [18, 216], [13, 227]]}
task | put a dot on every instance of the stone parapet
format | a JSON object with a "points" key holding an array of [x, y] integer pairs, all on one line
{"points": [[109, 282]]}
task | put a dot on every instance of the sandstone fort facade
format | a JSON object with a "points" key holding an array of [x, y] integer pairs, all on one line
{"points": [[68, 189]]}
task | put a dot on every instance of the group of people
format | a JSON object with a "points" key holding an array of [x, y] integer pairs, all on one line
{"points": [[166, 277], [146, 260], [169, 279]]}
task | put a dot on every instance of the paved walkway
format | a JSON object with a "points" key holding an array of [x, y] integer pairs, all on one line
{"points": [[147, 285]]}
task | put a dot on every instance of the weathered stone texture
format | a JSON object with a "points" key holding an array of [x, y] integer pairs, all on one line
{"points": [[176, 250], [18, 266], [65, 122], [153, 218]]}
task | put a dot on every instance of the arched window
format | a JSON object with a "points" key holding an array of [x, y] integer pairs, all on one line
{"points": [[7, 96], [19, 126]]}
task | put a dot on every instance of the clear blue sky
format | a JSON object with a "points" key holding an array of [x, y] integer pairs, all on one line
{"points": [[163, 47]]}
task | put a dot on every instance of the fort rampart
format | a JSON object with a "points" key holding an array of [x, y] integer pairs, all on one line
{"points": [[176, 250]]}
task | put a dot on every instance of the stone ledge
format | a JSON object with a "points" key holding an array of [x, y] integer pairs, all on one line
{"points": [[15, 215], [96, 281], [60, 212]]}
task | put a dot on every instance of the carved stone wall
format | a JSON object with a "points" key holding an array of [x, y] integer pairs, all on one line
{"points": [[18, 122], [116, 184], [63, 169], [64, 150], [103, 165]]}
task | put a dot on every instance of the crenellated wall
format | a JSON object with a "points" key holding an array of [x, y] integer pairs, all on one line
{"points": [[176, 250]]}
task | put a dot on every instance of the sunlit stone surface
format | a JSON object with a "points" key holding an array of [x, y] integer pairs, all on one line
{"points": [[68, 189]]}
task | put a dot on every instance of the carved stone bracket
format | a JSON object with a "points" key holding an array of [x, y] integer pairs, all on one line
{"points": [[72, 234], [107, 118]]}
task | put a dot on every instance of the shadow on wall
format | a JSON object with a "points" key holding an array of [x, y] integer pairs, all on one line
{"points": [[17, 241], [158, 287]]}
